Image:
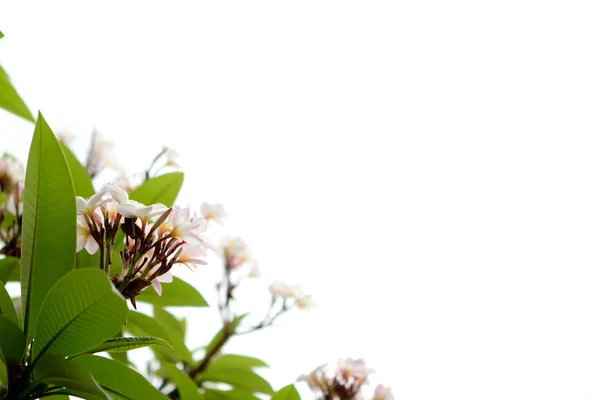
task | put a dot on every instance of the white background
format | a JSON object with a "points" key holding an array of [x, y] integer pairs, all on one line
{"points": [[429, 170]]}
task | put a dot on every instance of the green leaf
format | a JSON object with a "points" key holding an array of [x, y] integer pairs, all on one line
{"points": [[237, 361], [187, 388], [288, 392], [49, 220], [176, 293], [169, 320], [10, 99], [53, 369], [1, 35], [219, 336], [57, 397], [84, 188], [162, 189], [9, 268], [119, 379], [121, 344], [7, 308], [81, 311], [12, 342], [233, 394], [237, 377], [141, 324], [3, 375]]}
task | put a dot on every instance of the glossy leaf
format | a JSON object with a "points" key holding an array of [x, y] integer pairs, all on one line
{"points": [[162, 189], [119, 379], [237, 377], [81, 311], [55, 370], [177, 293], [12, 342], [122, 344], [1, 35], [9, 269], [49, 218], [288, 392], [167, 319], [237, 361], [148, 326], [187, 388], [7, 308], [3, 375], [10, 99], [233, 394]]}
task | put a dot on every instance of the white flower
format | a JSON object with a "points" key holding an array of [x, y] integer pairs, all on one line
{"points": [[382, 393], [117, 194], [237, 252], [353, 369], [280, 289], [172, 156], [11, 170], [189, 229], [254, 270], [164, 278], [214, 212], [89, 207], [190, 256], [84, 237], [133, 209], [303, 301]]}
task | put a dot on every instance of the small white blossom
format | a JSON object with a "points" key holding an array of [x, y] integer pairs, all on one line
{"points": [[164, 278], [254, 270], [214, 212], [355, 370], [280, 289], [190, 256], [88, 207], [382, 393], [303, 301], [133, 209], [172, 156]]}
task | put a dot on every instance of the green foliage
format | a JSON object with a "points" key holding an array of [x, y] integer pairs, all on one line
{"points": [[81, 311], [54, 370], [187, 388], [168, 319], [237, 361], [1, 35], [233, 394], [161, 189], [219, 336], [288, 392], [118, 379], [9, 269], [49, 220], [7, 308], [123, 344], [237, 377], [176, 293], [12, 342], [140, 324], [10, 99]]}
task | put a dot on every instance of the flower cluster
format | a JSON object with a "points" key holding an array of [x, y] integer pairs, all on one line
{"points": [[285, 292], [344, 381], [153, 238]]}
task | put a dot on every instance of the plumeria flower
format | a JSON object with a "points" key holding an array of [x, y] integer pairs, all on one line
{"points": [[355, 370], [237, 252], [133, 209], [88, 207], [190, 256], [117, 194], [164, 278], [172, 156], [84, 237], [303, 301], [280, 289], [317, 379], [254, 270], [214, 212], [382, 393], [189, 228]]}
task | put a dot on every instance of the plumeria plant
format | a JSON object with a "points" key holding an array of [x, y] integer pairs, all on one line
{"points": [[85, 259]]}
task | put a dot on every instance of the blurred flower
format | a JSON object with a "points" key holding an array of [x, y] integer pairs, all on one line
{"points": [[237, 252], [353, 370], [382, 393], [65, 138], [254, 270], [172, 156], [214, 212], [303, 301], [280, 289]]}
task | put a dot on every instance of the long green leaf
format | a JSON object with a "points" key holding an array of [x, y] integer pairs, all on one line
{"points": [[1, 35], [177, 293], [119, 379], [122, 344], [233, 394], [10, 99], [237, 377], [141, 324], [237, 361], [169, 320], [49, 219], [81, 311], [187, 388], [288, 392], [9, 269], [162, 189], [12, 342], [53, 369], [7, 308]]}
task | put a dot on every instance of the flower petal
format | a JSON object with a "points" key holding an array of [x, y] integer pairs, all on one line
{"points": [[157, 286]]}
